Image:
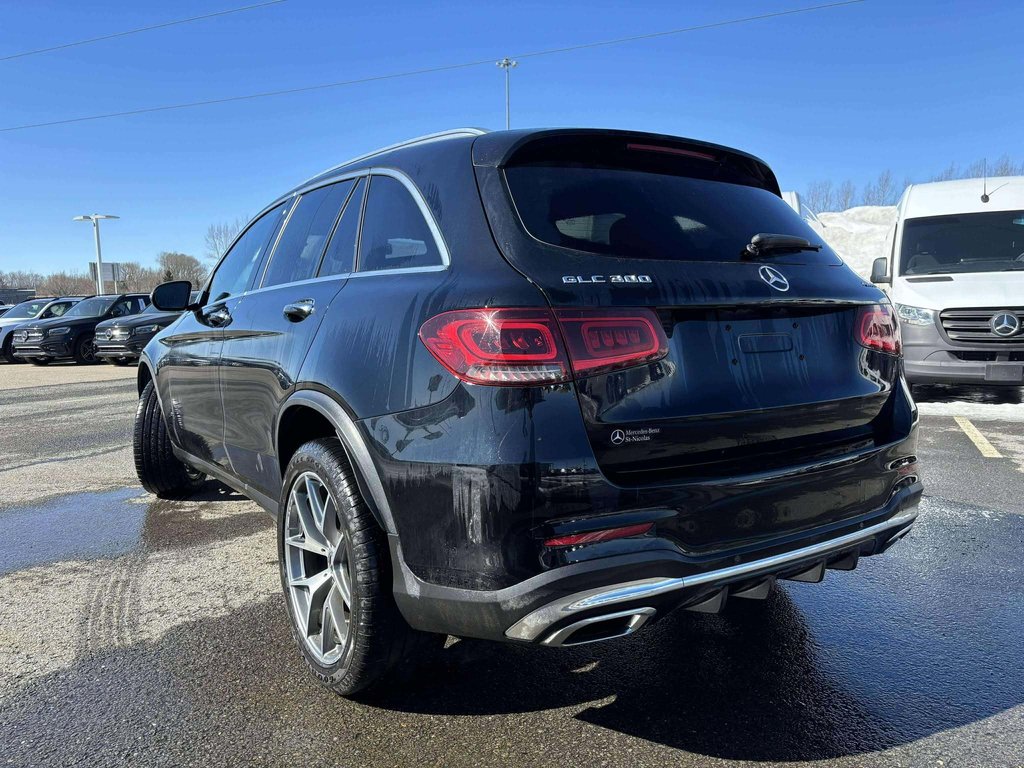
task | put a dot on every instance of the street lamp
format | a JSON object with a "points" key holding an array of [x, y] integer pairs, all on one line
{"points": [[507, 64], [95, 219]]}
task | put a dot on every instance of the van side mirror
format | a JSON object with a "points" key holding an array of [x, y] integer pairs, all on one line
{"points": [[880, 271], [172, 296]]}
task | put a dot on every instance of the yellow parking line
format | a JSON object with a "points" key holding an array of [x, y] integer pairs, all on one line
{"points": [[980, 441]]}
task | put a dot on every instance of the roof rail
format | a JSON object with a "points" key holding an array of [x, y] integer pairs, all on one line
{"points": [[439, 136]]}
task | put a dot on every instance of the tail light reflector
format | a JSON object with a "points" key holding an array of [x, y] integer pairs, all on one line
{"points": [[606, 340], [593, 537], [514, 347], [877, 329]]}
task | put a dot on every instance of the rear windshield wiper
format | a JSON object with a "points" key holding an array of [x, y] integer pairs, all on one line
{"points": [[763, 244]]}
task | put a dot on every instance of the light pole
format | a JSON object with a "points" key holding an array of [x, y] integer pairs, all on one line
{"points": [[95, 219], [507, 64]]}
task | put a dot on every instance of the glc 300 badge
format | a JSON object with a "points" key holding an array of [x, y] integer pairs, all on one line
{"points": [[606, 278]]}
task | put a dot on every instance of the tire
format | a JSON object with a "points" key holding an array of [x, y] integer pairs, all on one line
{"points": [[8, 351], [84, 350], [159, 470], [325, 554]]}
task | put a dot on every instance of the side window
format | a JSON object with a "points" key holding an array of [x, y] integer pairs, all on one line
{"points": [[302, 243], [138, 304], [340, 258], [235, 269], [122, 308], [394, 234]]}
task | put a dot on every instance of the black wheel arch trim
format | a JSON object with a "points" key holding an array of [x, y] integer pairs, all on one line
{"points": [[367, 478]]}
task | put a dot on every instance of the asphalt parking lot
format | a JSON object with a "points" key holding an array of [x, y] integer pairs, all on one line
{"points": [[145, 632]]}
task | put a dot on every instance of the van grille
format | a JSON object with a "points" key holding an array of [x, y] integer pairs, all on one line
{"points": [[975, 325]]}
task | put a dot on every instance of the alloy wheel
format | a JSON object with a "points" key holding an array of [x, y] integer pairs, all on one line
{"points": [[318, 567], [89, 349]]}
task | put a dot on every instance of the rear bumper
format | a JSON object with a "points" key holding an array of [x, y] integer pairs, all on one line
{"points": [[622, 592]]}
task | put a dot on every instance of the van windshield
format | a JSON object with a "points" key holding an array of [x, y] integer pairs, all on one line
{"points": [[966, 242], [643, 215]]}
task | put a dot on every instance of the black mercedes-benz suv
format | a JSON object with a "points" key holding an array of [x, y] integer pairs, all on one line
{"points": [[120, 340], [39, 308], [72, 334], [534, 386]]}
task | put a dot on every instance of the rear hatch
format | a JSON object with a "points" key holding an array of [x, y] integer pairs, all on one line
{"points": [[764, 368]]}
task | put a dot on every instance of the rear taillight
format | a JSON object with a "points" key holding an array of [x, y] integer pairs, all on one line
{"points": [[606, 340], [498, 346], [877, 329], [525, 346]]}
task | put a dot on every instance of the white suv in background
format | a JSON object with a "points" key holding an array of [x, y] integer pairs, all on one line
{"points": [[955, 273]]}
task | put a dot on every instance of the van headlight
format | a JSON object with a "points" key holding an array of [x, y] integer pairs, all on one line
{"points": [[915, 315], [62, 331]]}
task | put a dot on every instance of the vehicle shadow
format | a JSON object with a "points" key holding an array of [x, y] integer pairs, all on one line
{"points": [[911, 644]]}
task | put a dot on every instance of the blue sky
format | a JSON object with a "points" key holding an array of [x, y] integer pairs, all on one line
{"points": [[837, 93]]}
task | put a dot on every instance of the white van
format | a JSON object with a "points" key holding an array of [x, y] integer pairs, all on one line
{"points": [[957, 280]]}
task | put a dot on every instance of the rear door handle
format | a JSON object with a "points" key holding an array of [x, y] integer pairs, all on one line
{"points": [[299, 310], [218, 317]]}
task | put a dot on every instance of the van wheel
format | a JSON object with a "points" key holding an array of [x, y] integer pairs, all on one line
{"points": [[336, 575], [159, 470], [85, 350]]}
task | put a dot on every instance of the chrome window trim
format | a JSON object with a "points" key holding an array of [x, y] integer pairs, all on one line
{"points": [[291, 199], [428, 217]]}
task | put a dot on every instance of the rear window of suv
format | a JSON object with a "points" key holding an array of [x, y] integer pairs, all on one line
{"points": [[652, 211]]}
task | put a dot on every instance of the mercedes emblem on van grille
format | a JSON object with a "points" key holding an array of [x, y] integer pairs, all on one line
{"points": [[1005, 324], [774, 278]]}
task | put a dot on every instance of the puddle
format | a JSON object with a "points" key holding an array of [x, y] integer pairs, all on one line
{"points": [[82, 526]]}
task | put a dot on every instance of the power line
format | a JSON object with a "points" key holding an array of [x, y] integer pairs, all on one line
{"points": [[429, 70], [140, 29]]}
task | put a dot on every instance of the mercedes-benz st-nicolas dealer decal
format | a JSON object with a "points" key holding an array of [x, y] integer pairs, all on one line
{"points": [[641, 435]]}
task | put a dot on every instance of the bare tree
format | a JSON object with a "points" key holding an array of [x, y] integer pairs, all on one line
{"points": [[219, 237], [845, 195], [67, 284], [882, 191], [20, 279], [819, 196], [135, 277], [181, 266], [1004, 166]]}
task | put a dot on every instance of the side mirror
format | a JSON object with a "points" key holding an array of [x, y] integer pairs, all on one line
{"points": [[880, 271], [172, 296]]}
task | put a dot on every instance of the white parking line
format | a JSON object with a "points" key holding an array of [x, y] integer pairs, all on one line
{"points": [[987, 449]]}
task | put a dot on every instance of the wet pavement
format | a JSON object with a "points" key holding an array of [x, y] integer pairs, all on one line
{"points": [[144, 632]]}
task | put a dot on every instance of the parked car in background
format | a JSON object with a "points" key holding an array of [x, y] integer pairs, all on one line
{"points": [[955, 272], [72, 334], [5, 308], [541, 387], [120, 339], [39, 308]]}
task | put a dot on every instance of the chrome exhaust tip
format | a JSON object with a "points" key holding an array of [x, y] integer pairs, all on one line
{"points": [[598, 628]]}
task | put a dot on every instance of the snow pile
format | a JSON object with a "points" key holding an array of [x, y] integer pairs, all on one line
{"points": [[858, 234]]}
